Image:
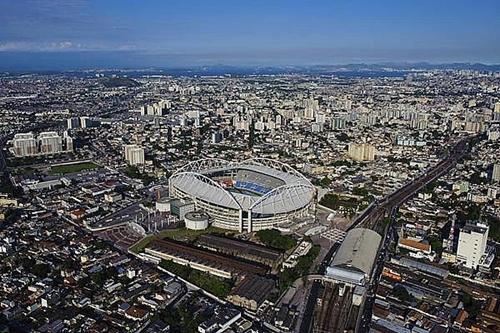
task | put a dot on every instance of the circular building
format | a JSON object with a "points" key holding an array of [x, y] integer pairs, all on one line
{"points": [[255, 194], [196, 220]]}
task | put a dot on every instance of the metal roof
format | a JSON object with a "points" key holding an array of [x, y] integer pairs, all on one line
{"points": [[297, 192], [358, 250]]}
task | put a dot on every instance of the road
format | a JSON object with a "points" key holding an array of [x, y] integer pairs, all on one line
{"points": [[373, 217], [390, 205]]}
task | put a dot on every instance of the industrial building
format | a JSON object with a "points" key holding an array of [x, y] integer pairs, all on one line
{"points": [[254, 194], [354, 260], [202, 259], [196, 220], [251, 292], [242, 249]]}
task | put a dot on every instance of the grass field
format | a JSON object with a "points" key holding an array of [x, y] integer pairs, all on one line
{"points": [[71, 168], [177, 234]]}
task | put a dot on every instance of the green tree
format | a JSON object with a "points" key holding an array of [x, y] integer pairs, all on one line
{"points": [[41, 270], [274, 238]]}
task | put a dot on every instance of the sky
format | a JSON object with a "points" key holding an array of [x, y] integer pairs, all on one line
{"points": [[165, 33]]}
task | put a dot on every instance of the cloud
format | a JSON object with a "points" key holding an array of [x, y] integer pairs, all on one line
{"points": [[60, 46], [49, 24]]}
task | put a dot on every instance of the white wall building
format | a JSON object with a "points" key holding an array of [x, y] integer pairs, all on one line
{"points": [[472, 244], [495, 174], [361, 152], [26, 144], [134, 155], [50, 143]]}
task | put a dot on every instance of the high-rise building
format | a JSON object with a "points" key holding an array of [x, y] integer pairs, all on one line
{"points": [[85, 122], [361, 152], [241, 123], [73, 123], [320, 118], [311, 106], [50, 143], [82, 122], [134, 155], [279, 120], [24, 144], [182, 121], [497, 107], [495, 173], [472, 244], [156, 109], [317, 127], [494, 133], [69, 141], [338, 122], [216, 137], [197, 122]]}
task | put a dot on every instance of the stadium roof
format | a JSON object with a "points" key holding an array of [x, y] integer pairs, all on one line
{"points": [[358, 250], [296, 193]]}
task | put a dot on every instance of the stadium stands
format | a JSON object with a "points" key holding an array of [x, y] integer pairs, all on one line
{"points": [[256, 182]]}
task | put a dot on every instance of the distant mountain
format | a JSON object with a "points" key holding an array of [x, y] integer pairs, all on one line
{"points": [[411, 66], [115, 76], [381, 69]]}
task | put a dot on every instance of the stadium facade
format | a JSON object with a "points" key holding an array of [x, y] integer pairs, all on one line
{"points": [[255, 194]]}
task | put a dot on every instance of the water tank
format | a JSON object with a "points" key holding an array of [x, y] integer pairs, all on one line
{"points": [[196, 220]]}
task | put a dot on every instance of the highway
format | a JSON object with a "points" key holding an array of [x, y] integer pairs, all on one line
{"points": [[372, 218]]}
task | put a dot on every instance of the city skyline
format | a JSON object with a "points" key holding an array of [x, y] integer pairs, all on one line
{"points": [[250, 166]]}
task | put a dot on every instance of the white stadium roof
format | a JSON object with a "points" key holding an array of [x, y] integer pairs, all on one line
{"points": [[297, 192]]}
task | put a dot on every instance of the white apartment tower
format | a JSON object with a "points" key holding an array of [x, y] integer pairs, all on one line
{"points": [[156, 109], [134, 155], [311, 107], [472, 244], [495, 173], [24, 144], [361, 152], [50, 143]]}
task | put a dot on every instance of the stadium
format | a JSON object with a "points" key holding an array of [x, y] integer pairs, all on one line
{"points": [[255, 194]]}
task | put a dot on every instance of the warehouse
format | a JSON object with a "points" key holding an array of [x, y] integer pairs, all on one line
{"points": [[201, 259], [251, 292], [242, 249], [355, 257]]}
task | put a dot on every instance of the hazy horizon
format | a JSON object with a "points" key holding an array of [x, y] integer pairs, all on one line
{"points": [[58, 34]]}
